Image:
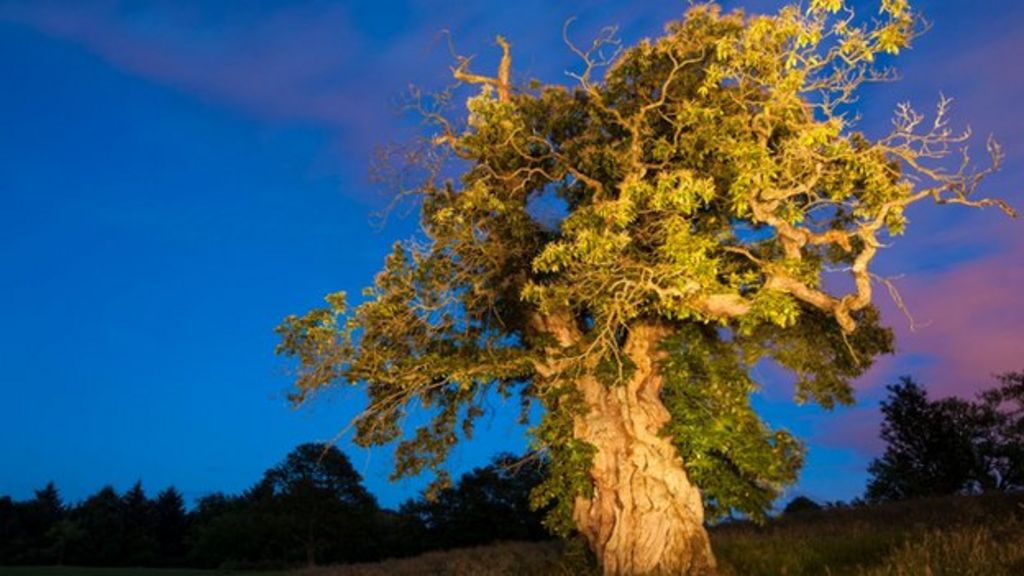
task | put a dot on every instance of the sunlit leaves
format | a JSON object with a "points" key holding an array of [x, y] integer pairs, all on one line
{"points": [[739, 463], [895, 8], [709, 177]]}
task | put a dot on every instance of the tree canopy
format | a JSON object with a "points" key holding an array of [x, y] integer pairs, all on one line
{"points": [[712, 183]]}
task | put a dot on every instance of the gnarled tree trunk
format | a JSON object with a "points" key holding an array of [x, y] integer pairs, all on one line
{"points": [[645, 517]]}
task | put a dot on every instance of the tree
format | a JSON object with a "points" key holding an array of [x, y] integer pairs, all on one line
{"points": [[171, 526], [487, 504], [933, 448], [62, 535], [321, 500], [101, 519], [225, 530], [8, 529], [710, 179], [26, 527], [139, 544], [1004, 407], [801, 505], [309, 508]]}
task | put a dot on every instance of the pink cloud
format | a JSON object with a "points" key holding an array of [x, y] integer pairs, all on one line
{"points": [[971, 326], [855, 429], [973, 323]]}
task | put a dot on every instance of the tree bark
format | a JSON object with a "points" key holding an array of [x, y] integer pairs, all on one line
{"points": [[644, 517]]}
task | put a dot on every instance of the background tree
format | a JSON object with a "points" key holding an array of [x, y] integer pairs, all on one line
{"points": [[488, 504], [1004, 406], [63, 535], [801, 505], [139, 544], [26, 527], [100, 517], [171, 526], [951, 445], [311, 508], [322, 503], [226, 532], [710, 179], [8, 529]]}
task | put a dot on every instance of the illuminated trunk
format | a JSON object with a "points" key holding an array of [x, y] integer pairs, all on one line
{"points": [[645, 517]]}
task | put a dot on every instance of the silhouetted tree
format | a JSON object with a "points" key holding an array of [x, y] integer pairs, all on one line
{"points": [[32, 522], [241, 531], [63, 535], [402, 533], [8, 529], [311, 508], [932, 447], [224, 531], [171, 526], [100, 517], [139, 545], [488, 504], [1005, 409], [801, 505], [320, 498]]}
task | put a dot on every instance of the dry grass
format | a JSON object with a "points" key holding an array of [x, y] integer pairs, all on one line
{"points": [[977, 551], [506, 559], [933, 537], [961, 536]]}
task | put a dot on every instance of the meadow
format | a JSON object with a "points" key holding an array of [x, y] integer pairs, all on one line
{"points": [[949, 536], [959, 535]]}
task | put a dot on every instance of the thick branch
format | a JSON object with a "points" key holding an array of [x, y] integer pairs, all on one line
{"points": [[501, 83]]}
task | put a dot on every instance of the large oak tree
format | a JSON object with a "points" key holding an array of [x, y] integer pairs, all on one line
{"points": [[712, 179]]}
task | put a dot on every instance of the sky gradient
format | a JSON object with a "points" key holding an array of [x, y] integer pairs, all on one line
{"points": [[176, 177]]}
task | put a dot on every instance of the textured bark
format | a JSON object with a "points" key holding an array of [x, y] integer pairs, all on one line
{"points": [[645, 517]]}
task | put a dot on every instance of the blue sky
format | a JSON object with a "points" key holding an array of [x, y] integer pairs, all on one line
{"points": [[175, 177]]}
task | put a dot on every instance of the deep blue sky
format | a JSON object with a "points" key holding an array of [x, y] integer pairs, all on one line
{"points": [[175, 177]]}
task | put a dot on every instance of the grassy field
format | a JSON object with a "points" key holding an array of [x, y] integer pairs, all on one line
{"points": [[958, 536], [962, 536]]}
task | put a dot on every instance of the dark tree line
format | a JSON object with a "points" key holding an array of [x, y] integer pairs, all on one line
{"points": [[950, 445], [310, 509], [105, 529]]}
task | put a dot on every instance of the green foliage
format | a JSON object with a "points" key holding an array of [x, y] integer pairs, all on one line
{"points": [[712, 179], [737, 461]]}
